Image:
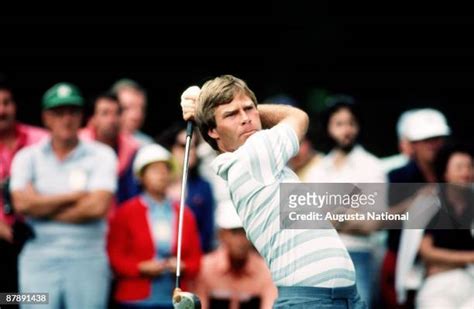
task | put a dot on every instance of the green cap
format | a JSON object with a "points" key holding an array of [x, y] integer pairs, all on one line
{"points": [[62, 94]]}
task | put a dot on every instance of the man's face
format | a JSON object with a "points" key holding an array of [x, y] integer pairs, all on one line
{"points": [[425, 150], [106, 119], [133, 109], [343, 128], [236, 243], [64, 122], [235, 122], [7, 110]]}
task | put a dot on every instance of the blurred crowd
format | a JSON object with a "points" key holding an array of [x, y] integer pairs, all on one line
{"points": [[90, 203]]}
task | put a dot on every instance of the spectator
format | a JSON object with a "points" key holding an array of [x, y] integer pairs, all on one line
{"points": [[426, 130], [143, 236], [348, 161], [200, 197], [234, 275], [395, 161], [104, 127], [13, 136], [133, 99], [447, 253], [64, 187]]}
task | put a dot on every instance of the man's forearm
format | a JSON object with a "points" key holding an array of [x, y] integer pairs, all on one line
{"points": [[273, 114], [91, 207], [42, 206]]}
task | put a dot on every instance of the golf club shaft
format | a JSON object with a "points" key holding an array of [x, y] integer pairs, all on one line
{"points": [[189, 134]]}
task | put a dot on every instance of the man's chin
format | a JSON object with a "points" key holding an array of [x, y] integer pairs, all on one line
{"points": [[246, 135], [5, 125], [347, 147]]}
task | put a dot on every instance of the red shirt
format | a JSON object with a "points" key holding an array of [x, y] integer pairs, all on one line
{"points": [[25, 135]]}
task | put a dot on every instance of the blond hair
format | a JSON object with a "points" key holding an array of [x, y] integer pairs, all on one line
{"points": [[218, 91]]}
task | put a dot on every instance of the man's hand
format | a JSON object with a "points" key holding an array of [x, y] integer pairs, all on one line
{"points": [[152, 268], [188, 102], [172, 263], [31, 203], [6, 232], [92, 206], [29, 193]]}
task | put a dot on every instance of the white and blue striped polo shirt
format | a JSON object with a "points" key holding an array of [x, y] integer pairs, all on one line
{"points": [[253, 173]]}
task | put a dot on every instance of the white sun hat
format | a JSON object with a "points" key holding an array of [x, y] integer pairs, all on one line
{"points": [[426, 123], [150, 154]]}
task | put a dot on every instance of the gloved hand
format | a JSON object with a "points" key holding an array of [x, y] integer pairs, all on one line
{"points": [[188, 102], [185, 300]]}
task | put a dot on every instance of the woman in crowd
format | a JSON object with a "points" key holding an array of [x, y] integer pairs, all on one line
{"points": [[199, 195], [447, 247], [143, 236]]}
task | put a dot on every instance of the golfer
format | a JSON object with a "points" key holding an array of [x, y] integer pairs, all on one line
{"points": [[311, 268]]}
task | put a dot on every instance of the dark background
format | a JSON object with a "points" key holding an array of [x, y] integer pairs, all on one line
{"points": [[389, 62]]}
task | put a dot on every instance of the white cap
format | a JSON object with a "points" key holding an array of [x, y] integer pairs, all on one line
{"points": [[402, 123], [425, 123], [150, 154], [227, 217]]}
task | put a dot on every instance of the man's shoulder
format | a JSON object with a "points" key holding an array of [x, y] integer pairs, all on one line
{"points": [[264, 140], [98, 149], [32, 149], [364, 155], [212, 261], [30, 129], [405, 173], [128, 140]]}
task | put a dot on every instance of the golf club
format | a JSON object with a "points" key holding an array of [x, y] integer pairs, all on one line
{"points": [[184, 300]]}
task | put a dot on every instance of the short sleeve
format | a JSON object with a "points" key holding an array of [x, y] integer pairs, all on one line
{"points": [[21, 170], [104, 175], [268, 151]]}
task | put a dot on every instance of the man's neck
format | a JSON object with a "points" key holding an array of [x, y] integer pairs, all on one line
{"points": [[427, 171], [111, 141], [63, 147], [340, 157], [130, 131], [237, 266], [8, 136]]}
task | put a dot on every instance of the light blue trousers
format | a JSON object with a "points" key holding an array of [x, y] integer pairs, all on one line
{"points": [[72, 283], [301, 297]]}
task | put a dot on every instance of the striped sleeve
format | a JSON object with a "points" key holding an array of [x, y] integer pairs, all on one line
{"points": [[268, 152]]}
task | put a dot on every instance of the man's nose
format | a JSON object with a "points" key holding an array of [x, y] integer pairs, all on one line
{"points": [[244, 117]]}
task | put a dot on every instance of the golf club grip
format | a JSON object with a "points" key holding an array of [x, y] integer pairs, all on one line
{"points": [[189, 128]]}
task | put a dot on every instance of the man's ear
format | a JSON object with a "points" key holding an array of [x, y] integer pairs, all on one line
{"points": [[45, 118], [213, 133]]}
